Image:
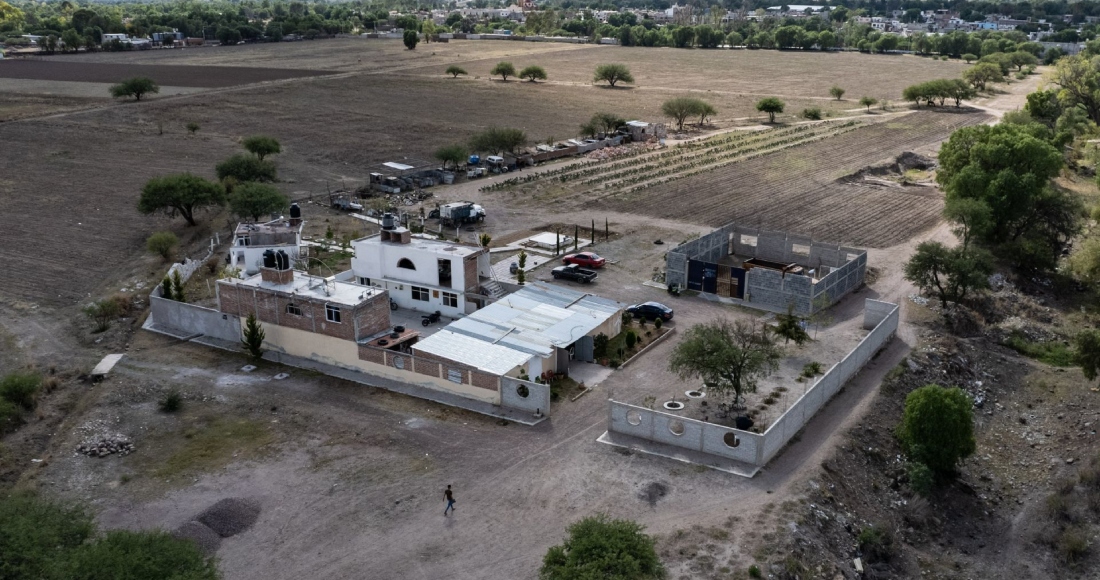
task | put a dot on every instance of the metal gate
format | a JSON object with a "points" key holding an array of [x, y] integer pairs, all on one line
{"points": [[584, 349]]}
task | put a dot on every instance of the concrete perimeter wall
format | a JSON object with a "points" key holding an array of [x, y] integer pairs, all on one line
{"points": [[537, 399], [183, 319], [754, 448], [779, 433], [694, 435]]}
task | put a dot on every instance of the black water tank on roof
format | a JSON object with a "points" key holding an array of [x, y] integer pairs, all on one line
{"points": [[282, 260], [388, 221], [269, 259], [295, 211]]}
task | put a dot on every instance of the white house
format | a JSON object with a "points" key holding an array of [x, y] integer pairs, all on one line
{"points": [[250, 241], [421, 273]]}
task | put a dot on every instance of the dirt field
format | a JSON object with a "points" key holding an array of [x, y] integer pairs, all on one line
{"points": [[101, 72]]}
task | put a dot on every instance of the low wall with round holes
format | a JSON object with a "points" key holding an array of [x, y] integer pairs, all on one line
{"points": [[525, 395], [685, 433]]}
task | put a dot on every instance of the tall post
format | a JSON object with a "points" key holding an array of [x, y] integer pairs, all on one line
{"points": [[606, 232], [593, 232], [576, 235]]}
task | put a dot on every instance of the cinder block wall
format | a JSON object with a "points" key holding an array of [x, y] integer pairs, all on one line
{"points": [[537, 399]]}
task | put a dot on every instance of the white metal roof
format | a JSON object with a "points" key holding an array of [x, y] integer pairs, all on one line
{"points": [[397, 166], [538, 318], [490, 358], [637, 123]]}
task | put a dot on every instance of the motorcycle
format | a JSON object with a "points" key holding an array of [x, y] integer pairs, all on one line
{"points": [[393, 305], [429, 319]]}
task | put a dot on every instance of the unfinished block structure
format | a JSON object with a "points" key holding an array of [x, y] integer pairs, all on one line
{"points": [[767, 270]]}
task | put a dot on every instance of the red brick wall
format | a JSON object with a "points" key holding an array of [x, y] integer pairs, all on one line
{"points": [[371, 354], [373, 317], [426, 367], [485, 380], [469, 266], [355, 323]]}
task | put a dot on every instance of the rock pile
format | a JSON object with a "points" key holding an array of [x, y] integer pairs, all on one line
{"points": [[105, 446], [227, 517]]}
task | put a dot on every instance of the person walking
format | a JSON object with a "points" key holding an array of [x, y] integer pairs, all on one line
{"points": [[450, 501]]}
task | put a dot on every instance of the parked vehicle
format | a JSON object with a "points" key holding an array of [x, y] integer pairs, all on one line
{"points": [[513, 268], [462, 212], [586, 259], [429, 319], [575, 273], [650, 311], [346, 203], [393, 305]]}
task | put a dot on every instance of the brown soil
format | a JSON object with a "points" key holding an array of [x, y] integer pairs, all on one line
{"points": [[166, 75]]}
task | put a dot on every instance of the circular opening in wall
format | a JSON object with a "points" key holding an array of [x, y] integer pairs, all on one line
{"points": [[634, 418], [523, 391], [731, 440], [674, 405], [695, 394], [676, 427]]}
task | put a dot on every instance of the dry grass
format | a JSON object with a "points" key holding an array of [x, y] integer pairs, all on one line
{"points": [[213, 444]]}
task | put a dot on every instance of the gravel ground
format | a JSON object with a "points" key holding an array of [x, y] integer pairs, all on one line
{"points": [[230, 516], [206, 539]]}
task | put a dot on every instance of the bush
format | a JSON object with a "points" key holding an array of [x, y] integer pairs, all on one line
{"points": [[921, 479], [812, 113], [1073, 545], [171, 402], [102, 312], [600, 547], [135, 87], [876, 544], [754, 572], [937, 428], [20, 389], [631, 339], [1053, 353], [9, 414], [599, 345], [657, 323], [37, 535], [243, 168], [812, 369], [148, 554], [162, 244]]}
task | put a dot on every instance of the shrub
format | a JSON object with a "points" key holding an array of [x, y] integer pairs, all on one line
{"points": [[241, 168], [812, 369], [533, 73], [454, 71], [754, 572], [171, 402], [921, 479], [162, 244], [657, 323], [1053, 353], [102, 312], [1073, 545], [614, 548], [192, 127], [812, 113], [20, 389], [9, 414], [599, 345], [134, 87], [631, 339], [261, 145], [253, 337], [876, 544], [937, 428]]}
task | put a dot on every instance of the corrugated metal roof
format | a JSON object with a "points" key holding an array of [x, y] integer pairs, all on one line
{"points": [[537, 318], [473, 352]]}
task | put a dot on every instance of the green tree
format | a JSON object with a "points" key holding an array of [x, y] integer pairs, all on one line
{"points": [[162, 244], [981, 74], [612, 74], [227, 35], [601, 548], [1078, 77], [607, 122], [771, 106], [1009, 170], [1087, 343], [683, 37], [969, 58], [166, 290], [1021, 58], [241, 168], [1085, 262], [727, 356], [411, 38], [177, 287], [970, 218], [533, 73], [261, 146], [790, 328], [498, 140], [455, 70], [680, 108], [454, 154], [937, 428], [504, 70], [72, 40], [181, 193], [136, 87], [253, 337], [836, 92], [705, 110], [868, 102], [254, 200], [958, 90], [950, 273]]}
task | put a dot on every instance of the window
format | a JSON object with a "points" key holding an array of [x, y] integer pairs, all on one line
{"points": [[332, 313], [406, 264], [450, 300], [454, 375], [364, 281], [420, 294], [293, 309]]}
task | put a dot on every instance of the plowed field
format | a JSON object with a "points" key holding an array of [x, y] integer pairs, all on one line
{"points": [[166, 75], [800, 189]]}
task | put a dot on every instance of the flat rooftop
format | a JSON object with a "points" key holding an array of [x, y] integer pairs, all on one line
{"points": [[426, 244], [491, 358], [315, 288], [279, 226]]}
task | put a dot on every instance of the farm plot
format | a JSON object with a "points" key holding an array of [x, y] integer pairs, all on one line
{"points": [[800, 189], [165, 75], [641, 168]]}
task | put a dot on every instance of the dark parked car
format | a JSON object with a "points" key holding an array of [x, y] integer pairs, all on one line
{"points": [[650, 311], [575, 273], [586, 259]]}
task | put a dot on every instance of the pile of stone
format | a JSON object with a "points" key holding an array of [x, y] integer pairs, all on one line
{"points": [[226, 518], [105, 446]]}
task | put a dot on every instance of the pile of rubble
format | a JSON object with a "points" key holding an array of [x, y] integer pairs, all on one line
{"points": [[613, 152], [105, 446]]}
